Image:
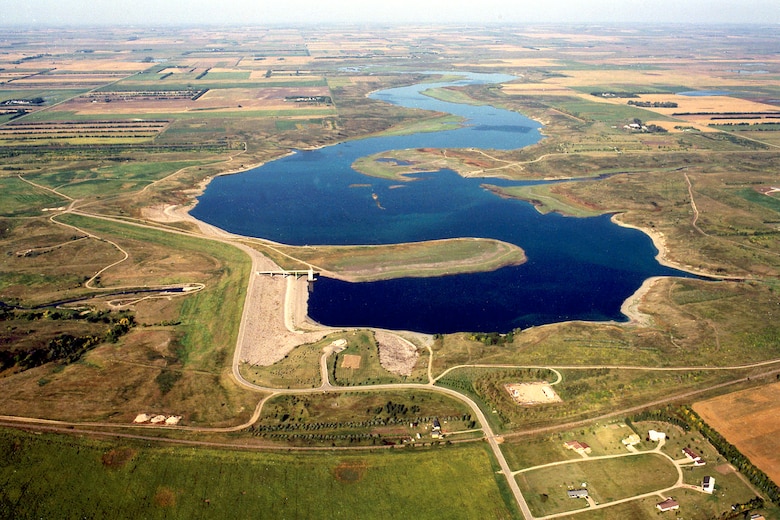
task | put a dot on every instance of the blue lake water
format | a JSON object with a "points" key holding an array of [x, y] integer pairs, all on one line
{"points": [[578, 268]]}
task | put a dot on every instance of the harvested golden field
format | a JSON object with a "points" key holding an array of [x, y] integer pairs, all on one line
{"points": [[513, 62], [701, 111], [107, 64], [750, 420]]}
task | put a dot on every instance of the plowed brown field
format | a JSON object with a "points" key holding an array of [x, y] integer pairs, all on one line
{"points": [[750, 420]]}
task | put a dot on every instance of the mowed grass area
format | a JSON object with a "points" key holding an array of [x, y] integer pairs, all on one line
{"points": [[604, 439], [110, 179], [607, 480], [363, 344], [299, 369], [20, 199], [52, 476]]}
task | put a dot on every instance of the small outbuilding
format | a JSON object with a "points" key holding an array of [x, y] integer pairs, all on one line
{"points": [[708, 485], [578, 493]]}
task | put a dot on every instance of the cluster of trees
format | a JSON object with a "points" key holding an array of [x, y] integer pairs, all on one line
{"points": [[64, 348], [395, 409], [494, 338]]}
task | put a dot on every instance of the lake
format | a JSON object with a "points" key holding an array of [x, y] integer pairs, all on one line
{"points": [[578, 268]]}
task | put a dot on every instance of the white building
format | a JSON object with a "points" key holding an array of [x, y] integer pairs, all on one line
{"points": [[656, 436]]}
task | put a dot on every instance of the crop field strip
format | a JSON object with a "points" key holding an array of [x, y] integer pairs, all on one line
{"points": [[67, 129]]}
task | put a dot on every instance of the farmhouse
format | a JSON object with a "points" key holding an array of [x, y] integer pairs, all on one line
{"points": [[669, 504], [693, 456], [579, 447], [578, 493], [708, 485]]}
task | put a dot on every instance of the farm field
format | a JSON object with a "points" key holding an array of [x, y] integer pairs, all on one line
{"points": [[181, 482], [116, 303], [748, 420]]}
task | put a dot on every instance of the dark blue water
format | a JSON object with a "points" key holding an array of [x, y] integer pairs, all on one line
{"points": [[578, 268]]}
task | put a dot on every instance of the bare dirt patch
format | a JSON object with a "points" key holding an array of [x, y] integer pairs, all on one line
{"points": [[351, 361], [350, 471], [396, 355], [725, 469], [165, 497], [750, 420], [117, 457], [528, 394]]}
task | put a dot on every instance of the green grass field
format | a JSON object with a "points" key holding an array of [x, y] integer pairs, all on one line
{"points": [[20, 199], [51, 476], [607, 480]]}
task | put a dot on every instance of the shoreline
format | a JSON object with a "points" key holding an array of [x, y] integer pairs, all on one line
{"points": [[294, 306]]}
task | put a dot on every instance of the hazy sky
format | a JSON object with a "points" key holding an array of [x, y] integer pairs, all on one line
{"points": [[167, 12]]}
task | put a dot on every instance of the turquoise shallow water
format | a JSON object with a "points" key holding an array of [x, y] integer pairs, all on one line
{"points": [[578, 268]]}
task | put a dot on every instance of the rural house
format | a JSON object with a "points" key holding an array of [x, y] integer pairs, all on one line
{"points": [[669, 504], [693, 456], [579, 447]]}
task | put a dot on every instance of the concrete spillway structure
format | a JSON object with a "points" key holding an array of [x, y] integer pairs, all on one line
{"points": [[310, 274]]}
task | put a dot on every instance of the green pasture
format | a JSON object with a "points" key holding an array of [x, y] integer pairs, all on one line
{"points": [[20, 199], [50, 95], [109, 179], [544, 200], [604, 439], [766, 201], [54, 476], [363, 344], [584, 393], [607, 480], [434, 124], [300, 368], [609, 113]]}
